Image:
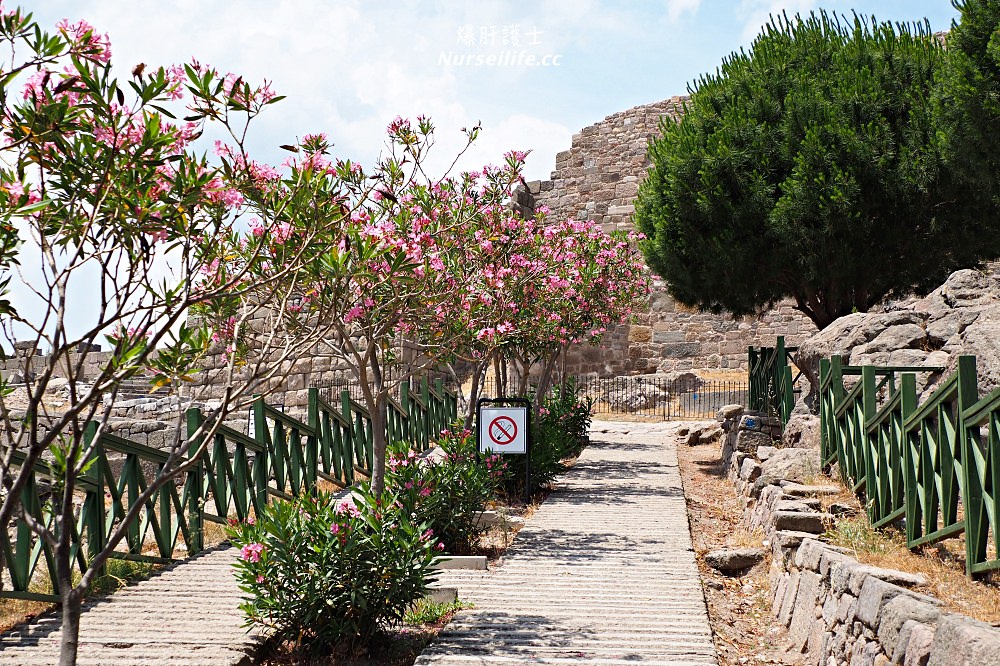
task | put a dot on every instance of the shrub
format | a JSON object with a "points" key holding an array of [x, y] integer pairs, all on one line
{"points": [[565, 415], [559, 432], [328, 574], [449, 494]]}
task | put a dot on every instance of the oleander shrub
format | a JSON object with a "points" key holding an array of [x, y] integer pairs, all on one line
{"points": [[327, 574], [560, 432], [447, 493]]}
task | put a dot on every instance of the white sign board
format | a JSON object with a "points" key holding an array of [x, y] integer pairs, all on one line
{"points": [[503, 429]]}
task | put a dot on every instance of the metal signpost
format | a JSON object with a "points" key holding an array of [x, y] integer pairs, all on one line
{"points": [[503, 425]]}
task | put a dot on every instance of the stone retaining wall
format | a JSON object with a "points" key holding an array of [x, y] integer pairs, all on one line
{"points": [[839, 611]]}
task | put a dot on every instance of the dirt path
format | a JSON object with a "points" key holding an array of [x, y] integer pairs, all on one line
{"points": [[738, 607]]}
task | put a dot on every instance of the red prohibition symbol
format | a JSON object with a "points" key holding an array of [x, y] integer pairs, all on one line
{"points": [[502, 430]]}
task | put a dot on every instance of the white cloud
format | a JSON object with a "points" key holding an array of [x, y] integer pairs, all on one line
{"points": [[755, 14], [676, 8]]}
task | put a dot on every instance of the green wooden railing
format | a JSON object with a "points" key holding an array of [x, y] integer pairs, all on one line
{"points": [[771, 384], [935, 464], [234, 477]]}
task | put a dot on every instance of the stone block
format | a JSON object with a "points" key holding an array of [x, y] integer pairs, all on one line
{"points": [[733, 559], [809, 554], [801, 490], [749, 470], [898, 611], [788, 599], [799, 521], [840, 574], [872, 599], [727, 412], [961, 641], [794, 505], [765, 452], [441, 595], [828, 558], [847, 606], [901, 578], [640, 334], [804, 612], [455, 562], [669, 337], [748, 441], [917, 650], [791, 538], [681, 349]]}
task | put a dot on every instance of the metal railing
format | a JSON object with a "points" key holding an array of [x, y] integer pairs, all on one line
{"points": [[772, 388], [935, 465], [234, 477], [654, 396]]}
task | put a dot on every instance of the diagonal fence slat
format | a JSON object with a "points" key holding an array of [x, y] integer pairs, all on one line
{"points": [[935, 465], [232, 477]]}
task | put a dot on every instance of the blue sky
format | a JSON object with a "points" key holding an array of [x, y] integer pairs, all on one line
{"points": [[349, 67]]}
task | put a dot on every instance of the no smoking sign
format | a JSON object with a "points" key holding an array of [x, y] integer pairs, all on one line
{"points": [[503, 429]]}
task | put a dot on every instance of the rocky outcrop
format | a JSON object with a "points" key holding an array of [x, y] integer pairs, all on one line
{"points": [[962, 316]]}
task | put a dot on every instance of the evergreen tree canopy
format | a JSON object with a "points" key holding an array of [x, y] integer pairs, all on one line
{"points": [[806, 168], [967, 98]]}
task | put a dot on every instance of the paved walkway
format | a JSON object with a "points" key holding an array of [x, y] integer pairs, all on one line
{"points": [[188, 615], [603, 573]]}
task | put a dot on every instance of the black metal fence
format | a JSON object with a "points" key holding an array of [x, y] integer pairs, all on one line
{"points": [[664, 398], [661, 397]]}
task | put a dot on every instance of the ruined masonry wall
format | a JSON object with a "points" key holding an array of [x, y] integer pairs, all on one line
{"points": [[598, 179]]}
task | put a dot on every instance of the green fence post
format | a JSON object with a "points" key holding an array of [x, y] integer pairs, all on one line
{"points": [[195, 484], [837, 397], [312, 461], [908, 386], [869, 407], [787, 394], [407, 407], [96, 519], [261, 462], [976, 526], [425, 393], [824, 414]]}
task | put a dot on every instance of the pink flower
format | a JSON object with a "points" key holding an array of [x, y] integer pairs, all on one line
{"points": [[347, 506], [251, 552], [428, 534], [260, 579], [334, 528]]}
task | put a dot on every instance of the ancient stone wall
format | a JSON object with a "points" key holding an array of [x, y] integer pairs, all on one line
{"points": [[598, 179]]}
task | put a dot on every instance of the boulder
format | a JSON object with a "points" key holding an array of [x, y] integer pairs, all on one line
{"points": [[962, 316], [728, 560], [799, 465], [801, 432], [710, 436], [765, 452], [727, 412], [635, 398], [677, 382]]}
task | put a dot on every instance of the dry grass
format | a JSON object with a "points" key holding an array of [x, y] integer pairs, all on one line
{"points": [[943, 563], [15, 611]]}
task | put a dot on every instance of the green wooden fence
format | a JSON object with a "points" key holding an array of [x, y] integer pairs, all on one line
{"points": [[771, 384], [234, 477], [935, 465]]}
